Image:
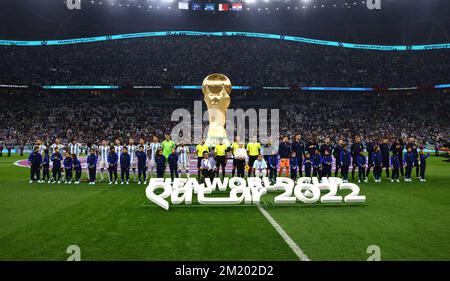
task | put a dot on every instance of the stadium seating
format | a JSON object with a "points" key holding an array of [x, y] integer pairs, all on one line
{"points": [[92, 117], [247, 61]]}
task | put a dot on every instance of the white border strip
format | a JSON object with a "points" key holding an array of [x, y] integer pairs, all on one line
{"points": [[295, 248], [17, 163]]}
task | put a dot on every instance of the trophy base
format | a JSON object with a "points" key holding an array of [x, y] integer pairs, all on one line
{"points": [[213, 141]]}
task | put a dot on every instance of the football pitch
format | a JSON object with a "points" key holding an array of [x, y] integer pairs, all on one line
{"points": [[407, 221]]}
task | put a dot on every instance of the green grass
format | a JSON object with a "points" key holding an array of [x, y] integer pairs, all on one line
{"points": [[409, 221]]}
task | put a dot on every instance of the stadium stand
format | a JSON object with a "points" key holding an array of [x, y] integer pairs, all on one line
{"points": [[187, 60], [90, 117]]}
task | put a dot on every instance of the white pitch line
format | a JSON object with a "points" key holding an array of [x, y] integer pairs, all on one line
{"points": [[295, 248]]}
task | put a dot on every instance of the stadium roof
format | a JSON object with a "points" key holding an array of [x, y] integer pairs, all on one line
{"points": [[397, 22]]}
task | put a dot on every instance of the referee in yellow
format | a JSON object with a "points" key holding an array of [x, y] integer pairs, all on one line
{"points": [[253, 148], [200, 149], [234, 148], [220, 151]]}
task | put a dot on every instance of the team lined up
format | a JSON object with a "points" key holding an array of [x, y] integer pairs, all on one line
{"points": [[291, 157], [295, 157], [108, 157]]}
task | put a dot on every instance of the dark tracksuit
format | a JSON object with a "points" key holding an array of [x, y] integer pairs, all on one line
{"points": [[46, 167], [413, 147], [416, 160], [423, 165], [68, 166], [384, 149], [395, 162], [112, 159], [370, 150], [35, 161], [355, 149], [337, 156], [142, 165], [125, 162], [399, 151], [92, 167], [293, 167], [361, 161], [56, 170], [284, 150], [327, 161], [77, 169], [312, 147], [240, 167], [377, 163], [299, 148], [273, 164], [173, 165], [345, 159], [400, 155], [325, 147], [160, 161], [316, 165], [308, 165], [409, 161]]}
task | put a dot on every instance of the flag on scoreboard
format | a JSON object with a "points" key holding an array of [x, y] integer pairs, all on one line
{"points": [[236, 7], [183, 5], [196, 6], [223, 7], [209, 7]]}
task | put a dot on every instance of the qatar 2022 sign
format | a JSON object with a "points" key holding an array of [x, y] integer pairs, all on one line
{"points": [[249, 191]]}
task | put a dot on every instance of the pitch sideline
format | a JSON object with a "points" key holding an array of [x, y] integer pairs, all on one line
{"points": [[295, 248]]}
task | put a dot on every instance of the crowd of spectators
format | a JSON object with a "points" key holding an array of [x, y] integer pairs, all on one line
{"points": [[255, 62], [89, 117], [247, 61]]}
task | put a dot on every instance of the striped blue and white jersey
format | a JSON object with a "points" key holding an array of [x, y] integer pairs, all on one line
{"points": [[53, 146], [118, 149], [103, 151], [183, 154], [41, 149], [154, 146], [132, 152], [75, 149]]}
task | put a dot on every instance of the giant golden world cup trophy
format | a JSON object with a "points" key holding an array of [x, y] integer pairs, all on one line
{"points": [[216, 90]]}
